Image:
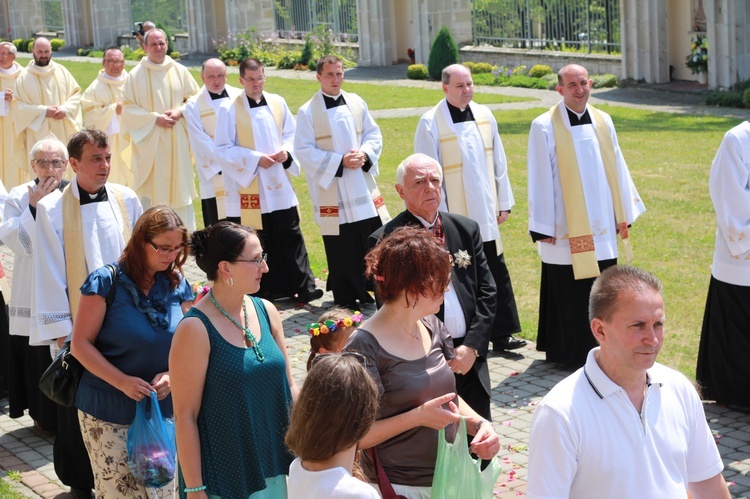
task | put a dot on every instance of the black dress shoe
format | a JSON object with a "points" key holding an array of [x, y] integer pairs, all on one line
{"points": [[308, 296], [81, 493], [508, 343]]}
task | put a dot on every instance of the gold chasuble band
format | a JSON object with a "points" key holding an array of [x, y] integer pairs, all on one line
{"points": [[75, 256], [208, 119], [250, 195], [450, 152], [580, 235], [329, 198]]}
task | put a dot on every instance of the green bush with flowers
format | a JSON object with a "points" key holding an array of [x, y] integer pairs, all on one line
{"points": [[697, 61]]}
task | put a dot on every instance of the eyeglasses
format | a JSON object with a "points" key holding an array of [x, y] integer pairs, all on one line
{"points": [[361, 359], [114, 61], [257, 261], [164, 251], [46, 163]]}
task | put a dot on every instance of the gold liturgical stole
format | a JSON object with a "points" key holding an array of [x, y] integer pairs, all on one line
{"points": [[580, 235], [75, 262], [450, 152], [208, 118], [329, 198], [250, 195]]}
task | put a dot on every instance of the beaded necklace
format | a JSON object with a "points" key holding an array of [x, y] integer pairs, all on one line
{"points": [[249, 336]]}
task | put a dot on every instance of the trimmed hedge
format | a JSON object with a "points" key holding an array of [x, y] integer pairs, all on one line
{"points": [[417, 72]]}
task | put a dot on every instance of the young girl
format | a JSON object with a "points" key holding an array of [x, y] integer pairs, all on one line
{"points": [[336, 407], [330, 333]]}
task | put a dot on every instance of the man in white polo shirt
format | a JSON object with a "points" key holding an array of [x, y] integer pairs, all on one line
{"points": [[624, 425]]}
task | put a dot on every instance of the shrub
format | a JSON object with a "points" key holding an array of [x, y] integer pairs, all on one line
{"points": [[539, 71], [18, 42], [484, 79], [29, 45], [604, 81], [746, 97], [417, 72], [174, 55], [727, 99], [83, 52], [520, 70], [287, 60], [523, 81], [479, 67], [57, 44], [443, 53], [99, 54], [551, 80], [306, 57]]}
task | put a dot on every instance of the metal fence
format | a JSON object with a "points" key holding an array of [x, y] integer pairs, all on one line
{"points": [[296, 18], [575, 25]]}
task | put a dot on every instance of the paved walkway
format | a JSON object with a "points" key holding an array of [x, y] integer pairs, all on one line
{"points": [[520, 379]]}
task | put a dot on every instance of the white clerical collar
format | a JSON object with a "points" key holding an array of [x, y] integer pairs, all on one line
{"points": [[577, 114], [115, 78], [156, 63], [425, 222], [14, 68], [334, 97]]}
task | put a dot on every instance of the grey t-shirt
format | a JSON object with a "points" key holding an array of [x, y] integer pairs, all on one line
{"points": [[408, 458]]}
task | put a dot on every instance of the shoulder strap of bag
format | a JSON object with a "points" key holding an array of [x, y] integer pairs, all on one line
{"points": [[386, 489], [111, 295]]}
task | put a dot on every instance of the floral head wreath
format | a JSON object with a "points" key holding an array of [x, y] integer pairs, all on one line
{"points": [[329, 326]]}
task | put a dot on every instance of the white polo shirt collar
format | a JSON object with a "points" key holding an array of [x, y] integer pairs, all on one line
{"points": [[600, 382]]}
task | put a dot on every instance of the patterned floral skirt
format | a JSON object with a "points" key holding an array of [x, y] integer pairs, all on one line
{"points": [[106, 444]]}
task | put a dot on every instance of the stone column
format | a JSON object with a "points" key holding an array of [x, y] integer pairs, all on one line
{"points": [[110, 19], [25, 18], [377, 32], [77, 23], [728, 42], [431, 15], [644, 40]]}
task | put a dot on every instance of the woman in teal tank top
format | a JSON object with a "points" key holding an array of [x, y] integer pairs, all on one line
{"points": [[232, 386]]}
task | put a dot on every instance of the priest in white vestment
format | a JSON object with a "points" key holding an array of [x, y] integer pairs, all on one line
{"points": [[338, 145], [155, 94], [201, 113], [28, 357], [77, 231], [255, 138], [724, 348], [581, 196], [462, 136], [102, 107], [14, 168], [48, 99]]}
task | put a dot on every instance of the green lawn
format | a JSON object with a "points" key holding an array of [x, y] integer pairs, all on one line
{"points": [[669, 158]]}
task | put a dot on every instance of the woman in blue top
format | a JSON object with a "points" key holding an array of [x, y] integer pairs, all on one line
{"points": [[231, 378], [125, 349]]}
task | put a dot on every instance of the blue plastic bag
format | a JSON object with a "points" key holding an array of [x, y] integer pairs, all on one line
{"points": [[151, 445]]}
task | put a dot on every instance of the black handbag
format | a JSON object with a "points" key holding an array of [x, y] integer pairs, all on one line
{"points": [[60, 381]]}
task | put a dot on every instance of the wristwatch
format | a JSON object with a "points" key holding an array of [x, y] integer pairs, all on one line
{"points": [[479, 425]]}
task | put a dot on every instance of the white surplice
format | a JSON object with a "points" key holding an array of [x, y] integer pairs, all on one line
{"points": [[14, 162], [355, 200], [102, 223], [729, 184], [202, 140], [17, 232], [241, 163], [546, 204], [479, 198]]}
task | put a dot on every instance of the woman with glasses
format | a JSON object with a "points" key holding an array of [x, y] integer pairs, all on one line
{"points": [[231, 378], [407, 350], [125, 349]]}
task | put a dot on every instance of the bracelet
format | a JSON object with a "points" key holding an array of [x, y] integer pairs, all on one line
{"points": [[187, 490], [479, 424]]}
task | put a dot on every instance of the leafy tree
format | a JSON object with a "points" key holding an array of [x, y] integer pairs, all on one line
{"points": [[443, 53]]}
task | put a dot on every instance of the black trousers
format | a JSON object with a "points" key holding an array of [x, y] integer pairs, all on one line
{"points": [[27, 364], [564, 328], [288, 264], [72, 463], [346, 261], [506, 317]]}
